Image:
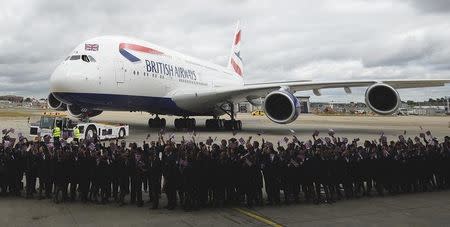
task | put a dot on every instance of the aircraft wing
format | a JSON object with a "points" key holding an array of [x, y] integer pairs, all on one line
{"points": [[260, 90], [257, 90]]}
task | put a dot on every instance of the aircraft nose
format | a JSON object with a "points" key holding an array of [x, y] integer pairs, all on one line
{"points": [[58, 79]]}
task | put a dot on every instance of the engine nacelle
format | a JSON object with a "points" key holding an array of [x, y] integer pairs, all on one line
{"points": [[55, 104], [82, 113], [382, 99], [281, 106]]}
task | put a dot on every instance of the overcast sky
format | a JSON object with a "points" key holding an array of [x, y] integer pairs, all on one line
{"points": [[281, 40]]}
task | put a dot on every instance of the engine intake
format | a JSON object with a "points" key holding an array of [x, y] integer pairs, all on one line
{"points": [[81, 113], [382, 99], [55, 104], [281, 106]]}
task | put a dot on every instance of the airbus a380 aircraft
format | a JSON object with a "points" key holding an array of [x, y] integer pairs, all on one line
{"points": [[125, 74]]}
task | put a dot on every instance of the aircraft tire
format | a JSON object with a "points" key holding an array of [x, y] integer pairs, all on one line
{"points": [[121, 133], [162, 123], [228, 125], [91, 131], [190, 123], [239, 125]]}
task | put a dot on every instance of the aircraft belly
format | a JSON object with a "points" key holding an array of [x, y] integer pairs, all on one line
{"points": [[115, 102]]}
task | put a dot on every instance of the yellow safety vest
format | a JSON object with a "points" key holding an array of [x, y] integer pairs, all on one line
{"points": [[56, 132], [76, 133]]}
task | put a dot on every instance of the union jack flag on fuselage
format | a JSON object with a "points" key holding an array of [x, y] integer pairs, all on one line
{"points": [[91, 47]]}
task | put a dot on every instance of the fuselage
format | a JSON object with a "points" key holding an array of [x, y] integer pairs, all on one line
{"points": [[125, 74]]}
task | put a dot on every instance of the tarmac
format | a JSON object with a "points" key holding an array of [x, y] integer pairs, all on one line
{"points": [[422, 209], [363, 127]]}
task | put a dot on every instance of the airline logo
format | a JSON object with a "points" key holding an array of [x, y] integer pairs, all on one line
{"points": [[236, 59], [123, 47], [236, 67]]}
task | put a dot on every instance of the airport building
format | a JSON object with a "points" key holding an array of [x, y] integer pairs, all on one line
{"points": [[428, 110]]}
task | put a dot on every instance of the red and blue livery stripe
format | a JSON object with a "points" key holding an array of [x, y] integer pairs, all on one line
{"points": [[123, 47]]}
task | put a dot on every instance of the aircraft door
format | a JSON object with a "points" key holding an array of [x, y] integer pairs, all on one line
{"points": [[120, 72]]}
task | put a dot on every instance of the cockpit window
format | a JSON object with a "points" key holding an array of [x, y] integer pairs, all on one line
{"points": [[67, 58], [85, 58], [75, 57], [91, 58]]}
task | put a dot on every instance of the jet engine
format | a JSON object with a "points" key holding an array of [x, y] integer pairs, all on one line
{"points": [[281, 106], [82, 113], [382, 99], [55, 104]]}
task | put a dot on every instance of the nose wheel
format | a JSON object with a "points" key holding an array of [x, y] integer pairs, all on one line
{"points": [[157, 122]]}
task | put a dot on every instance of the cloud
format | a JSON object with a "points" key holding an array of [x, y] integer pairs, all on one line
{"points": [[320, 40], [431, 6]]}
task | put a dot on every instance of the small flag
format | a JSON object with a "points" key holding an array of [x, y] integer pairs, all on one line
{"points": [[241, 140], [91, 47]]}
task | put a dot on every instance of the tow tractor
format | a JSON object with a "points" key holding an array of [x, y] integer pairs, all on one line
{"points": [[103, 131]]}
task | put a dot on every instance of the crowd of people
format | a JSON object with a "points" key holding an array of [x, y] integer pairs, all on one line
{"points": [[216, 173]]}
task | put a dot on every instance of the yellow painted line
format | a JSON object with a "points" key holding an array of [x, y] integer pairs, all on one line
{"points": [[258, 217]]}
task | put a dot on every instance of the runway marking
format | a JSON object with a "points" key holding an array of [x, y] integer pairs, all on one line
{"points": [[258, 217]]}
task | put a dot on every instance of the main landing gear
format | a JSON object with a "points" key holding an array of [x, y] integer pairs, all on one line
{"points": [[217, 124], [157, 122], [231, 124], [188, 123]]}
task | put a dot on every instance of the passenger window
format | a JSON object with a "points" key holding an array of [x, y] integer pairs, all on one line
{"points": [[75, 57], [85, 58], [91, 59]]}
